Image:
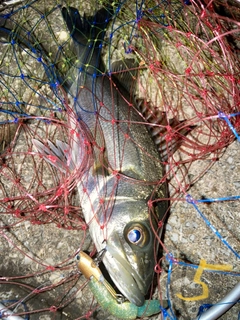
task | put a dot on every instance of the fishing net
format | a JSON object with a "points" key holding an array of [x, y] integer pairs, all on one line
{"points": [[186, 70]]}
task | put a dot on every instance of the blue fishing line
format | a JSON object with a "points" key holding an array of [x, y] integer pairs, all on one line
{"points": [[229, 198], [164, 17], [203, 308], [166, 314], [16, 103], [194, 266], [139, 12], [225, 117], [234, 114], [171, 260], [190, 200], [126, 46], [13, 114], [49, 70], [134, 22], [53, 85]]}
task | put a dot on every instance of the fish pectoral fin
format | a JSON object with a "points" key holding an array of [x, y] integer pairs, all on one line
{"points": [[100, 166], [99, 169], [59, 156]]}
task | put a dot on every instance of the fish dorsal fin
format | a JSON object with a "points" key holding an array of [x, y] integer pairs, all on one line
{"points": [[126, 72], [167, 134]]}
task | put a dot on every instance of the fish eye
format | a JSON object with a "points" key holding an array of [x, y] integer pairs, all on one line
{"points": [[134, 235], [137, 234]]}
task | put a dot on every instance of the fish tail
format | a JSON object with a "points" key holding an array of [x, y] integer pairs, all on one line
{"points": [[88, 33]]}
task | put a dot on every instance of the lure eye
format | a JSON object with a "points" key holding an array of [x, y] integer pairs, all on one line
{"points": [[137, 234]]}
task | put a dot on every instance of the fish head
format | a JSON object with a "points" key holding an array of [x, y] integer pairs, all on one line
{"points": [[130, 248]]}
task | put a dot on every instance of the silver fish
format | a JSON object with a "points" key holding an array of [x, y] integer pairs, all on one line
{"points": [[120, 182], [116, 188]]}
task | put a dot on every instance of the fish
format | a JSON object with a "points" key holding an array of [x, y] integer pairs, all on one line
{"points": [[119, 186]]}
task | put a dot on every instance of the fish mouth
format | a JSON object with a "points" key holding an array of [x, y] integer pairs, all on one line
{"points": [[131, 272]]}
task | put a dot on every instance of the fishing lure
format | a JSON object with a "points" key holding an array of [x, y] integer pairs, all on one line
{"points": [[106, 295]]}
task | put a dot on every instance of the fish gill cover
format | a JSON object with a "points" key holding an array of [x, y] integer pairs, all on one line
{"points": [[184, 83]]}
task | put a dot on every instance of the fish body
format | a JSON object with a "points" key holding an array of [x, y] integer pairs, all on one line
{"points": [[115, 188]]}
